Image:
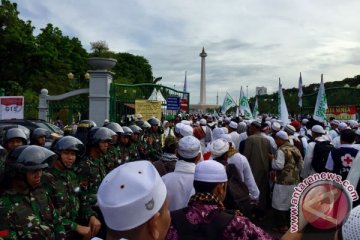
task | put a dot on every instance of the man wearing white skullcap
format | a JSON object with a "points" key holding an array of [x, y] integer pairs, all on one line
{"points": [[235, 136], [223, 152], [317, 133], [287, 163], [336, 141], [186, 130], [132, 199], [179, 183], [256, 150], [334, 132], [205, 216]]}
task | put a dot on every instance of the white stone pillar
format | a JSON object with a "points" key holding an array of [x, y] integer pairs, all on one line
{"points": [[43, 105], [203, 55], [99, 95]]}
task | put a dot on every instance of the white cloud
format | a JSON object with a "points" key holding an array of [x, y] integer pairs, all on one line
{"points": [[249, 42]]}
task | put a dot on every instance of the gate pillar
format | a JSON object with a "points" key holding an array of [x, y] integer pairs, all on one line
{"points": [[43, 105], [99, 95]]}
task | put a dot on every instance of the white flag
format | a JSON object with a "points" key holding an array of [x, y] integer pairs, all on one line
{"points": [[228, 103], [244, 105], [282, 109], [256, 109], [300, 93], [321, 103]]}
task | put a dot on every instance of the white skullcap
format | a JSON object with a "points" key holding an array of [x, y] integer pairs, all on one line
{"points": [[134, 187], [305, 121], [202, 121], [186, 130], [351, 228], [226, 131], [217, 132], [227, 120], [268, 123], [335, 122], [139, 116], [189, 147], [357, 132], [290, 129], [283, 135], [318, 129], [342, 126], [228, 138], [210, 171], [219, 147], [186, 122], [353, 124], [178, 126], [164, 123], [276, 126], [233, 125]]}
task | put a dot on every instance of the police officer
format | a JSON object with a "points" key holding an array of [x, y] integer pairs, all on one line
{"points": [[26, 211], [112, 159], [13, 138], [91, 171], [64, 188], [137, 144], [153, 139], [126, 154], [38, 137]]}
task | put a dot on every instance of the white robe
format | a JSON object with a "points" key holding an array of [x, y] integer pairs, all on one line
{"points": [[179, 184], [242, 165]]}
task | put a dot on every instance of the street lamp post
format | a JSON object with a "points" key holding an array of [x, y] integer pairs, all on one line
{"points": [[247, 91]]}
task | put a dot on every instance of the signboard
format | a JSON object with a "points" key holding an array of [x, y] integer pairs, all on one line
{"points": [[173, 103], [184, 104], [12, 107], [148, 108], [342, 112]]}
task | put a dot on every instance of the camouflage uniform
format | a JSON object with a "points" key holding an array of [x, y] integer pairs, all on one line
{"points": [[155, 148], [29, 215], [142, 148], [64, 188], [90, 173], [128, 153], [112, 158]]}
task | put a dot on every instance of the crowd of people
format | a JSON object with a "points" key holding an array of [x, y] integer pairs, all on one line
{"points": [[183, 177]]}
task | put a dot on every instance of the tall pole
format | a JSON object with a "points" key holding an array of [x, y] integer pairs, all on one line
{"points": [[203, 55], [247, 91]]}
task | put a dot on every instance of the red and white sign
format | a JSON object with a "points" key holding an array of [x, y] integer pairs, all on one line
{"points": [[342, 112], [12, 107], [183, 104]]}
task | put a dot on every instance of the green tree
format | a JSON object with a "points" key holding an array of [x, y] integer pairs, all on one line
{"points": [[17, 46], [56, 56]]}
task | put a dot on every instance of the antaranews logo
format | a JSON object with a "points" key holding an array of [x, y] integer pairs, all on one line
{"points": [[323, 200]]}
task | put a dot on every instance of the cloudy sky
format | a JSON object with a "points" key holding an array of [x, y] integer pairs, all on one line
{"points": [[249, 42]]}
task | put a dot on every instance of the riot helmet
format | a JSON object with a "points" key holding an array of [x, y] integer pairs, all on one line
{"points": [[100, 134], [136, 129], [37, 133], [13, 133], [69, 143], [115, 127], [127, 131], [29, 158]]}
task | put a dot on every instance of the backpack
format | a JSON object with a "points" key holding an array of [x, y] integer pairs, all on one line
{"points": [[209, 231], [321, 153], [237, 194]]}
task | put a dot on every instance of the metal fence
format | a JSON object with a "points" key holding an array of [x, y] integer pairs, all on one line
{"points": [[123, 96]]}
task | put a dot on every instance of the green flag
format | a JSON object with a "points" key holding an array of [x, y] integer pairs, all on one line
{"points": [[244, 106], [321, 103], [228, 103]]}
